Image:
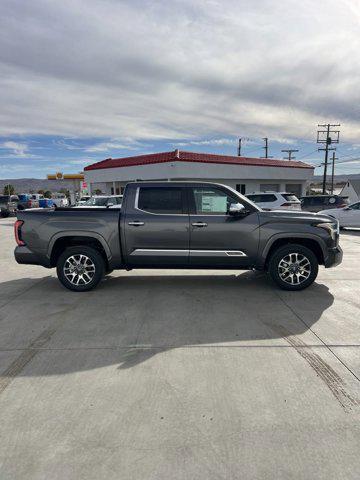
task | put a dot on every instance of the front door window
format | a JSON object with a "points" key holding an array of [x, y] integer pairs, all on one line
{"points": [[212, 201]]}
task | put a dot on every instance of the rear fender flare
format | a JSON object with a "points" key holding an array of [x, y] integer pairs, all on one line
{"points": [[74, 233]]}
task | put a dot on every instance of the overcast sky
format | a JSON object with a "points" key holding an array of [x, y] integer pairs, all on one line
{"points": [[83, 80]]}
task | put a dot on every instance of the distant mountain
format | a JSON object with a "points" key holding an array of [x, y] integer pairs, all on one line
{"points": [[338, 178], [25, 185]]}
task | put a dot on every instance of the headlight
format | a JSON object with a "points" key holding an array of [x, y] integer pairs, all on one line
{"points": [[332, 227]]}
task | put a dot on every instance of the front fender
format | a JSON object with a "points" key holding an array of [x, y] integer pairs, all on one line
{"points": [[270, 242]]}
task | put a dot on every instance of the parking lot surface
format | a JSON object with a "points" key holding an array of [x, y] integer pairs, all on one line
{"points": [[179, 374]]}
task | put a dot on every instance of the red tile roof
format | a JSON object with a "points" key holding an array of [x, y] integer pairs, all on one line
{"points": [[182, 156]]}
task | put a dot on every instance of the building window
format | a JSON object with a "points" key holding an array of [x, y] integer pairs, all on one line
{"points": [[241, 188], [294, 188]]}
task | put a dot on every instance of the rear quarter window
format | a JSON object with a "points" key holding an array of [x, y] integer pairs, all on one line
{"points": [[289, 197]]}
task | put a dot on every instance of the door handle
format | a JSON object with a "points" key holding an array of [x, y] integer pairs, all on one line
{"points": [[199, 224], [137, 224]]}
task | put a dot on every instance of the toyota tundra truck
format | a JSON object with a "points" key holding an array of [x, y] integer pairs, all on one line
{"points": [[178, 225]]}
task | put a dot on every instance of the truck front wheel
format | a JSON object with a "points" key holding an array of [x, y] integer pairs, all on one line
{"points": [[293, 267], [80, 268]]}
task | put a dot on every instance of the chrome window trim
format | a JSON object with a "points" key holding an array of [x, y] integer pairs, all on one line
{"points": [[136, 207]]}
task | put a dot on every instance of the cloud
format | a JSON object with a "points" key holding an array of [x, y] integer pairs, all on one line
{"points": [[15, 149], [106, 146], [212, 142], [180, 69]]}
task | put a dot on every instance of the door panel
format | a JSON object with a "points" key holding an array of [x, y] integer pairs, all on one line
{"points": [[350, 217], [152, 236], [216, 238]]}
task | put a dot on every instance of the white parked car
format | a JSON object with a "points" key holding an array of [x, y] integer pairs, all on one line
{"points": [[348, 216], [60, 199], [275, 200], [100, 201], [82, 200]]}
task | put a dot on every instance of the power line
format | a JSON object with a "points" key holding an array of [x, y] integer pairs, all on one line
{"points": [[307, 154], [327, 137], [349, 160], [289, 151]]}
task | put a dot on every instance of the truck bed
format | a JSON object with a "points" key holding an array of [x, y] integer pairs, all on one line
{"points": [[42, 228]]}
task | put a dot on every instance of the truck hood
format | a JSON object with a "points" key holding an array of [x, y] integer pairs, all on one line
{"points": [[293, 216]]}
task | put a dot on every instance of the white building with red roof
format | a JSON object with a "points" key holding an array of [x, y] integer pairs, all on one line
{"points": [[244, 174]]}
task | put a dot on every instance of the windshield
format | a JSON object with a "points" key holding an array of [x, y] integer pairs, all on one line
{"points": [[97, 202]]}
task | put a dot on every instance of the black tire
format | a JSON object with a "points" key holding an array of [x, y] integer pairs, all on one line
{"points": [[309, 273], [95, 262]]}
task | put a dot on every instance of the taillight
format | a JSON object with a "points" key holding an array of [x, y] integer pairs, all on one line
{"points": [[17, 230], [341, 205], [28, 204]]}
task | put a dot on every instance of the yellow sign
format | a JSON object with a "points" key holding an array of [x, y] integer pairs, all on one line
{"points": [[69, 176]]}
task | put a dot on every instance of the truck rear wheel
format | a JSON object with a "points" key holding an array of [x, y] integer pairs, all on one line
{"points": [[80, 268], [293, 267]]}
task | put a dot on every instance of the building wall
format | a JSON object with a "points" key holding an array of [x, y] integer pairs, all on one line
{"points": [[251, 176]]}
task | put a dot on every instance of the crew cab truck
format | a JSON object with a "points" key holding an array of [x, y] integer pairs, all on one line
{"points": [[178, 225]]}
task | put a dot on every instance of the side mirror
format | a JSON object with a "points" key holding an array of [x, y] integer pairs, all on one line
{"points": [[237, 209]]}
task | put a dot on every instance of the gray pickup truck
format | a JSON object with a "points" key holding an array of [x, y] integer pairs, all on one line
{"points": [[178, 225]]}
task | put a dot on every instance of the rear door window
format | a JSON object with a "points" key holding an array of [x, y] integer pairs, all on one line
{"points": [[254, 198], [264, 198], [161, 200]]}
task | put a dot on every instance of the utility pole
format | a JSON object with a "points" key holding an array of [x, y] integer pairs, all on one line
{"points": [[328, 137], [289, 152], [332, 172], [240, 144], [266, 147]]}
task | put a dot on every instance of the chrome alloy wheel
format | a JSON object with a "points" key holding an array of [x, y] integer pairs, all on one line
{"points": [[294, 268], [79, 269]]}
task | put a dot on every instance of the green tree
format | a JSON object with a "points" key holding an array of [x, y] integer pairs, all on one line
{"points": [[9, 189], [47, 194]]}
